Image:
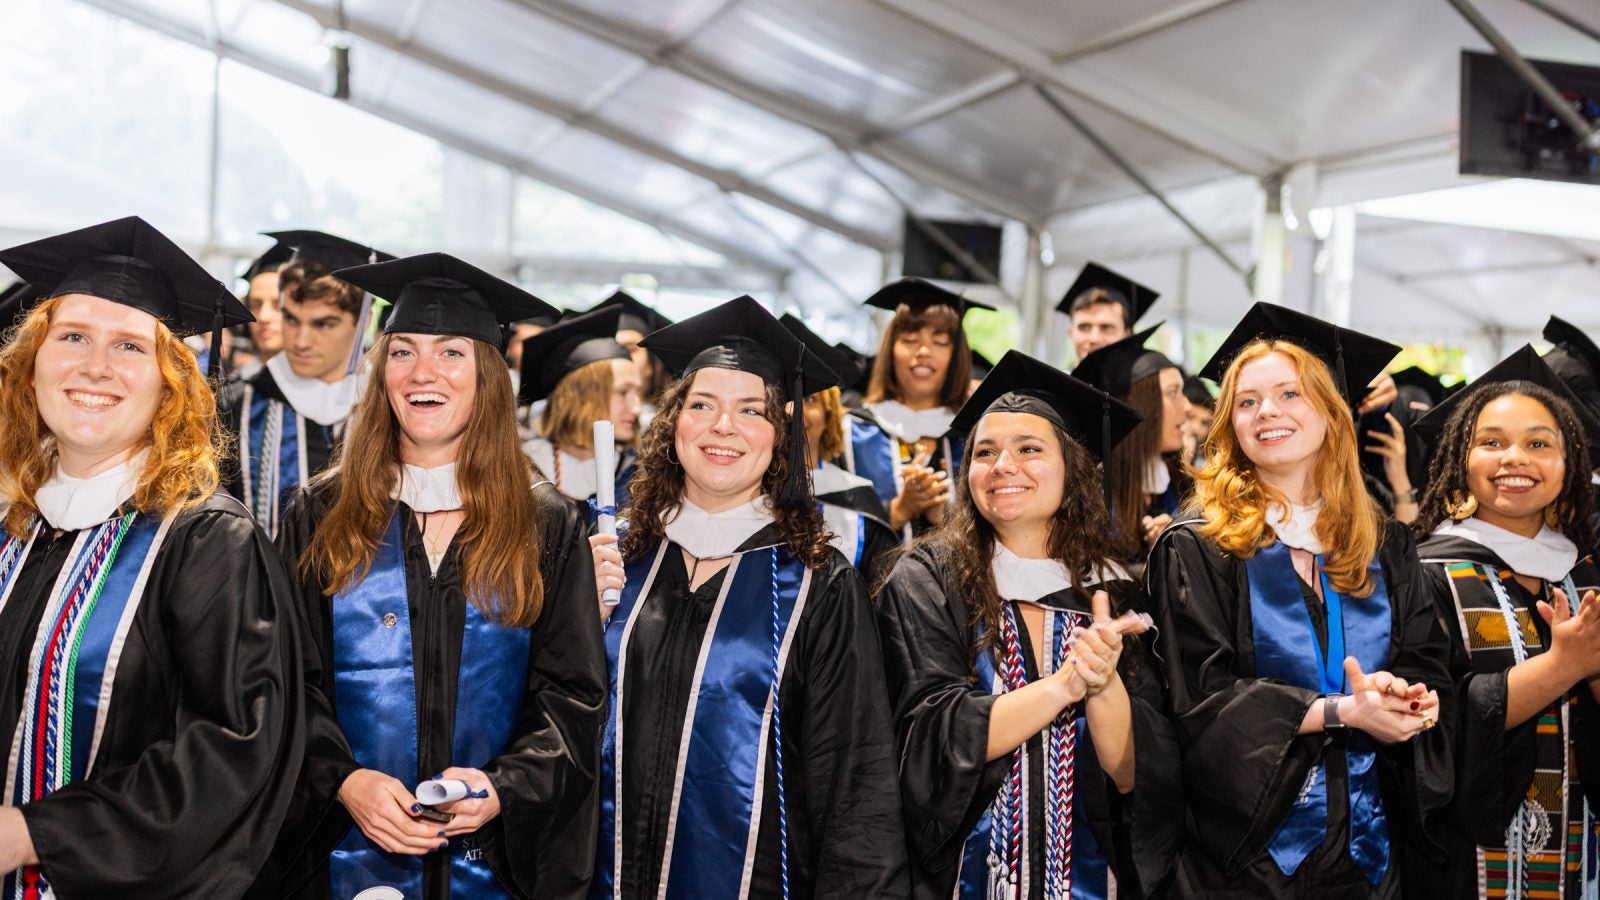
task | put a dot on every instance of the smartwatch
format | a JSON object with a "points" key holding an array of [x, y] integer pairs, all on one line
{"points": [[1330, 713]]}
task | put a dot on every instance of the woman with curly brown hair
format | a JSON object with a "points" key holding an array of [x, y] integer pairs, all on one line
{"points": [[450, 621], [1298, 635], [149, 688], [1509, 547], [750, 751], [1036, 760]]}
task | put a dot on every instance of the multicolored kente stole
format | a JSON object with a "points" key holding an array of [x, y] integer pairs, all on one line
{"points": [[1551, 845], [72, 666]]}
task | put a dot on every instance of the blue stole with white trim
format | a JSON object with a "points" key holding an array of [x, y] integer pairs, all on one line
{"points": [[72, 667], [873, 454], [717, 801], [1286, 648], [267, 484], [1090, 871], [375, 696]]}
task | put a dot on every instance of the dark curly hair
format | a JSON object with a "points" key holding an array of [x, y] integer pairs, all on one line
{"points": [[1081, 537], [657, 486], [1447, 475]]}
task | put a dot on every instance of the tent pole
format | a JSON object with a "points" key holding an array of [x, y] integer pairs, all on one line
{"points": [[1588, 136]]}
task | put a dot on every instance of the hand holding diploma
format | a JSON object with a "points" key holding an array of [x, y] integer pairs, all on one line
{"points": [[387, 813], [475, 808]]}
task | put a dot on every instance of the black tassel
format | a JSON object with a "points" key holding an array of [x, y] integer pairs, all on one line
{"points": [[214, 364], [796, 491], [1105, 449]]}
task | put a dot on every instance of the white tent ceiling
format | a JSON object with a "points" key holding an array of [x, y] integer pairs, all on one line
{"points": [[787, 135]]}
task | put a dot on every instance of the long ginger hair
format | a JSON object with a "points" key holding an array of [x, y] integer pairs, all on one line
{"points": [[499, 537], [183, 440], [1233, 501], [579, 400], [657, 488]]}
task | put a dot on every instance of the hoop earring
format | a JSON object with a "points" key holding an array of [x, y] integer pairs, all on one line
{"points": [[773, 467], [1459, 509], [670, 458]]}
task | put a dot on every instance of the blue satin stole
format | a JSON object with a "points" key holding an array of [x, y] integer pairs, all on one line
{"points": [[288, 451], [1287, 649], [1090, 871], [376, 696], [872, 454], [718, 797]]}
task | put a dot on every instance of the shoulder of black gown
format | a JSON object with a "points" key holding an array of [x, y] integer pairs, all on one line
{"points": [[194, 814]]}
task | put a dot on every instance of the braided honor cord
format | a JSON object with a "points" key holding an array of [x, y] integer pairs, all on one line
{"points": [[777, 732]]}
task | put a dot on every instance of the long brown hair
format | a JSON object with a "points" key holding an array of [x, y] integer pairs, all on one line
{"points": [[1130, 460], [657, 487], [184, 442], [1233, 500], [579, 400], [885, 385], [499, 535], [1447, 475], [1080, 537]]}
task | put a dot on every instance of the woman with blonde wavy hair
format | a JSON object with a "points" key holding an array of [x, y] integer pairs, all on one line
{"points": [[1303, 657], [148, 683], [452, 624]]}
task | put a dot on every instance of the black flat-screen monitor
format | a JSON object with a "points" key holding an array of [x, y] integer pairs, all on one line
{"points": [[923, 257], [1508, 130]]}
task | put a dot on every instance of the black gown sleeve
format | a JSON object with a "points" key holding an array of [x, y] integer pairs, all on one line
{"points": [[846, 743], [230, 411], [544, 841], [194, 815]]}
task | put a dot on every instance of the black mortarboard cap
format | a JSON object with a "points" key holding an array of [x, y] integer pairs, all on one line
{"points": [[741, 335], [919, 294], [565, 347], [636, 316], [1522, 365], [1116, 367], [841, 363], [435, 293], [1575, 359], [1570, 337], [1352, 357], [1134, 297], [860, 371], [1423, 380], [332, 251], [14, 303], [981, 366], [271, 261], [1019, 383], [128, 261]]}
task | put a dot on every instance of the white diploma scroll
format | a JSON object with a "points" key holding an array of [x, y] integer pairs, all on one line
{"points": [[605, 487], [433, 793]]}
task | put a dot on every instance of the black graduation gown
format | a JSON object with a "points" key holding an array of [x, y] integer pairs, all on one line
{"points": [[845, 835], [874, 537], [942, 725], [205, 727], [233, 402], [542, 843], [1243, 762], [1495, 767]]}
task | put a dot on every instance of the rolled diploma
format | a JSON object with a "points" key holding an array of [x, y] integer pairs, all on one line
{"points": [[433, 793], [605, 487]]}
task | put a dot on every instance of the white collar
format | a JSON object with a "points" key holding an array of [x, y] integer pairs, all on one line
{"points": [[1296, 526], [1016, 578], [578, 477], [1549, 555], [72, 504], [428, 490], [909, 424], [715, 535], [1156, 476], [829, 479], [317, 400]]}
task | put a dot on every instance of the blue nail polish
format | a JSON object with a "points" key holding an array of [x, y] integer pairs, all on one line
{"points": [[443, 844], [441, 834], [416, 807]]}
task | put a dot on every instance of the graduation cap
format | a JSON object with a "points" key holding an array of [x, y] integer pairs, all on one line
{"points": [[981, 366], [1522, 365], [842, 364], [856, 378], [128, 261], [742, 336], [330, 250], [1575, 359], [1136, 299], [636, 316], [274, 259], [435, 293], [1116, 367], [565, 347], [14, 303], [1423, 380], [1022, 384], [1353, 358], [919, 294]]}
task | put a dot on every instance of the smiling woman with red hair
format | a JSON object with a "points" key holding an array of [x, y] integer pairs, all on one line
{"points": [[148, 687]]}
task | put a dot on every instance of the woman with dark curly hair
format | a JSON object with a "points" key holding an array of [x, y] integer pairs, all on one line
{"points": [[149, 687], [1036, 761], [750, 750], [1509, 547], [1299, 636]]}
